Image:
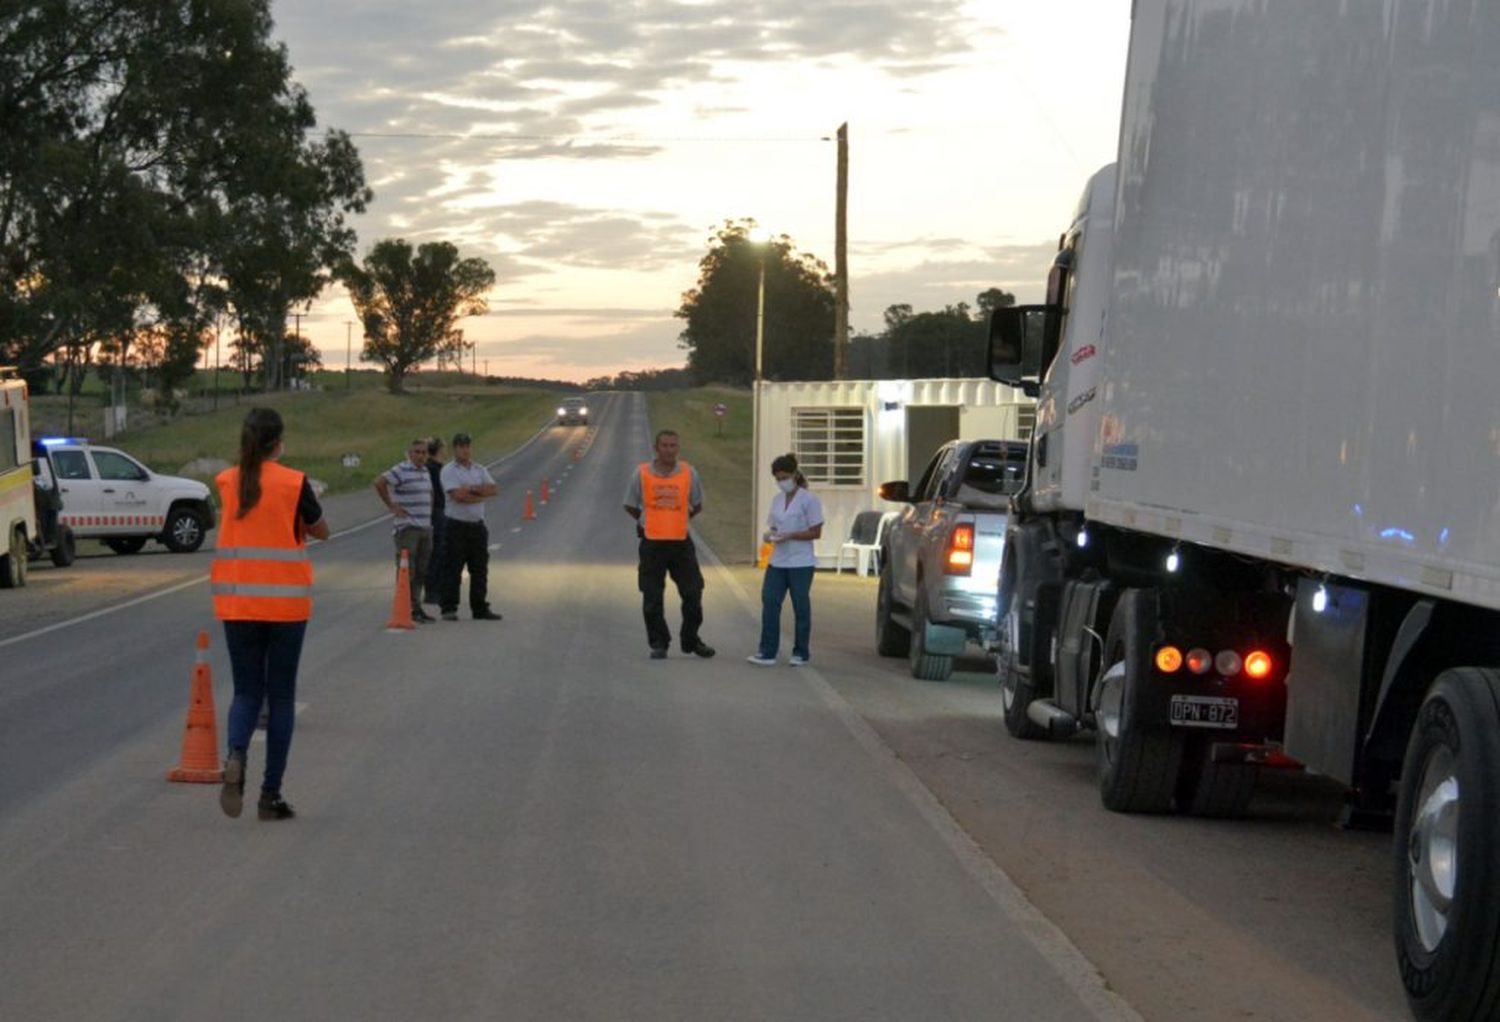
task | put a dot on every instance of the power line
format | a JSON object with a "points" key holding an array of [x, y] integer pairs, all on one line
{"points": [[616, 140]]}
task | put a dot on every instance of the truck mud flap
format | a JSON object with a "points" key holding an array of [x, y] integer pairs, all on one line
{"points": [[945, 640]]}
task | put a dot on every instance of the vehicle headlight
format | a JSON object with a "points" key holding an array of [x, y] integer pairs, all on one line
{"points": [[583, 411], [562, 411]]}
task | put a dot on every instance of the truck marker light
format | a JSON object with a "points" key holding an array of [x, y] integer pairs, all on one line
{"points": [[960, 551], [1174, 561], [1199, 660], [1228, 663], [1168, 659], [1320, 600], [1258, 665], [1083, 538]]}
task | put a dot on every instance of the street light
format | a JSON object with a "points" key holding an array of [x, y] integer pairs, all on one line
{"points": [[759, 237]]}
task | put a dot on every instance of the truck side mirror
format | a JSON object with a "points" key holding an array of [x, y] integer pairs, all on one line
{"points": [[1022, 341], [898, 492]]}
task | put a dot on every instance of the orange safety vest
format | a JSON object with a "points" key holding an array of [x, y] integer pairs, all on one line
{"points": [[260, 570], [664, 510]]}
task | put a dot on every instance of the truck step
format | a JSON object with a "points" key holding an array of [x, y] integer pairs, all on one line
{"points": [[1058, 722]]}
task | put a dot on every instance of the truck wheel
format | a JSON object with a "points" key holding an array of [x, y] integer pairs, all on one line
{"points": [[1138, 764], [13, 562], [66, 547], [1447, 918], [125, 544], [1016, 690], [1206, 788], [925, 666], [184, 530], [890, 638]]}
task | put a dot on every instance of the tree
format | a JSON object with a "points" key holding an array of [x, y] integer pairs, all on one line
{"points": [[409, 302], [721, 311]]}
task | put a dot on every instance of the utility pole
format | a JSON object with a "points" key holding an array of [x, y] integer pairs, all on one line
{"points": [[841, 262], [348, 353], [218, 328], [473, 360]]}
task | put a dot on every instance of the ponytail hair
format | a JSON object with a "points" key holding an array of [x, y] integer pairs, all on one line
{"points": [[788, 463], [259, 436]]}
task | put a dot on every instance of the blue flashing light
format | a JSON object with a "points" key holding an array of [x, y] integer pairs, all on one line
{"points": [[57, 441], [1396, 533], [1359, 511], [1443, 536]]}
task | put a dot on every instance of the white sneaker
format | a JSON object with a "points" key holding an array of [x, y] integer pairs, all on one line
{"points": [[761, 661], [797, 661]]}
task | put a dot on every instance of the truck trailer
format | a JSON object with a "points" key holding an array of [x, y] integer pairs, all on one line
{"points": [[1261, 522]]}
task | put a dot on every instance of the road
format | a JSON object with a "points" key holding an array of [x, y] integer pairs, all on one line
{"points": [[530, 819]]}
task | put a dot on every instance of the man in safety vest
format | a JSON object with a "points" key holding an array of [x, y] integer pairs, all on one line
{"points": [[662, 496]]}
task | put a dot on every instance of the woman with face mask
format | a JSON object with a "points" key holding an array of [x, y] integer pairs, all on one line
{"points": [[795, 521]]}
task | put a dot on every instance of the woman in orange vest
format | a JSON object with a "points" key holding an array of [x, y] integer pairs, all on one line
{"points": [[262, 590]]}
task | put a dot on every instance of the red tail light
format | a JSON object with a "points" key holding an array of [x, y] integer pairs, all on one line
{"points": [[960, 559], [1258, 665]]}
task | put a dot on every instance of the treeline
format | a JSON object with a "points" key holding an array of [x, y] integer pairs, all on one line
{"points": [[160, 180]]}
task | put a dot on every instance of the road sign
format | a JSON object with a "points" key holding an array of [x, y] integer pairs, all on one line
{"points": [[721, 410]]}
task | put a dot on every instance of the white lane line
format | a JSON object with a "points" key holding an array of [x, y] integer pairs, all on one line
{"points": [[516, 529], [1071, 965], [260, 736], [493, 547]]}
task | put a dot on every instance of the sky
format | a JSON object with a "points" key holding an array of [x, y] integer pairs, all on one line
{"points": [[589, 150]]}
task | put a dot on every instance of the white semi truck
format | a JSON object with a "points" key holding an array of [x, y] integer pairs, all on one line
{"points": [[1261, 525]]}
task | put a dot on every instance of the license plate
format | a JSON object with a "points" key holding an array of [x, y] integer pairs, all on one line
{"points": [[1206, 711]]}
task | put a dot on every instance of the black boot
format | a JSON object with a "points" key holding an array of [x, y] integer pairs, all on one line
{"points": [[274, 807]]}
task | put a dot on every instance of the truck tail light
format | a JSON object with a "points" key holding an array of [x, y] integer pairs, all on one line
{"points": [[1199, 660], [960, 559], [1258, 665], [1168, 659]]}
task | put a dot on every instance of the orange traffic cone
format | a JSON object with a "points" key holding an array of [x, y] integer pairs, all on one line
{"points": [[401, 609], [578, 453], [544, 491], [200, 739], [530, 513]]}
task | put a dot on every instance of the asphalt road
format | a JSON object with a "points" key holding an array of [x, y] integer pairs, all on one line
{"points": [[520, 819]]}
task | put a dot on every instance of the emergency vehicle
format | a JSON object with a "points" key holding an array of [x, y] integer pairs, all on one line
{"points": [[17, 506]]}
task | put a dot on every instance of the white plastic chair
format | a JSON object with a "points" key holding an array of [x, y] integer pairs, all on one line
{"points": [[865, 535]]}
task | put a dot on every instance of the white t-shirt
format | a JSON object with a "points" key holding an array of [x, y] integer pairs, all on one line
{"points": [[801, 514], [454, 476]]}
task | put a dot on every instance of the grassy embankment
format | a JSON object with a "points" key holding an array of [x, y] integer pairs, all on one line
{"points": [[723, 462], [323, 426]]}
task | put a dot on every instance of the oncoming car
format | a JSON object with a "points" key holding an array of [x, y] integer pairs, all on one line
{"points": [[573, 411], [107, 495]]}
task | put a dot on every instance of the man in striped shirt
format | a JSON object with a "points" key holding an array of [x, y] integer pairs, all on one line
{"points": [[407, 490]]}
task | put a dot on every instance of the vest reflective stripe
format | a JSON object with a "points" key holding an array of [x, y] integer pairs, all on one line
{"points": [[664, 502], [261, 571], [260, 553], [248, 589]]}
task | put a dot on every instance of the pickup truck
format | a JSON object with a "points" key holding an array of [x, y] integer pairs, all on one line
{"points": [[940, 559], [109, 496]]}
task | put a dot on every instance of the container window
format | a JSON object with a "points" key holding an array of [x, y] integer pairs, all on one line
{"points": [[830, 445]]}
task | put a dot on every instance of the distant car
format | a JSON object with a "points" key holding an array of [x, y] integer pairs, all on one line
{"points": [[108, 495], [573, 411]]}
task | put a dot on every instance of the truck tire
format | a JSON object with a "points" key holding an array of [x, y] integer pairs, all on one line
{"points": [[890, 638], [13, 561], [1016, 689], [184, 530], [126, 544], [1206, 788], [925, 666], [1138, 764], [66, 547], [1447, 897]]}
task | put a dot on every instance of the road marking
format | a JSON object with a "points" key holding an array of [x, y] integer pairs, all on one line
{"points": [[516, 529], [1071, 965], [259, 737], [496, 546]]}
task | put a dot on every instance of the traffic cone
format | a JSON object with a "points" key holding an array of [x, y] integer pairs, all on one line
{"points": [[544, 491], [578, 453], [401, 609], [200, 739], [530, 514]]}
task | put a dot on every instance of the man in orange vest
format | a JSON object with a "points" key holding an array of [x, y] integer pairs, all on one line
{"points": [[662, 496]]}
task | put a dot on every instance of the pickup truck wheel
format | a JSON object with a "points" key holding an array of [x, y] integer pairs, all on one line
{"points": [[1447, 918], [126, 544], [184, 531], [1016, 690], [13, 562], [925, 666], [890, 638], [66, 547], [1138, 765], [1206, 788]]}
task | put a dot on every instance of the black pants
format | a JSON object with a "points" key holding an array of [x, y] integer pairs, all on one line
{"points": [[436, 572], [468, 547], [679, 558]]}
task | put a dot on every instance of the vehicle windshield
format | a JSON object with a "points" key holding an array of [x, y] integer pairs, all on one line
{"points": [[992, 475]]}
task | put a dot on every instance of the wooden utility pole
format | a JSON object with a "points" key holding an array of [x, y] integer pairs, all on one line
{"points": [[841, 261]]}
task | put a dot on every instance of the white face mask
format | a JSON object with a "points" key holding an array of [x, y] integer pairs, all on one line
{"points": [[787, 485]]}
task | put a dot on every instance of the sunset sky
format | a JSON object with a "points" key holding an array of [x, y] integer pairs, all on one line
{"points": [[589, 150]]}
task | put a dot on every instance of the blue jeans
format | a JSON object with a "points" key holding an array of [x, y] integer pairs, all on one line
{"points": [[773, 589], [263, 656]]}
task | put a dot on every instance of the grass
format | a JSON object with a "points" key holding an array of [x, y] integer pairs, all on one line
{"points": [[323, 426], [722, 461]]}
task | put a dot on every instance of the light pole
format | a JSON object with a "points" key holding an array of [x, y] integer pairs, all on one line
{"points": [[348, 354], [759, 238]]}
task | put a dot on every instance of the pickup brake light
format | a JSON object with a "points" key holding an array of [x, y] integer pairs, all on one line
{"points": [[960, 557]]}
